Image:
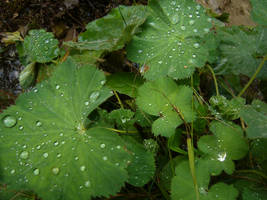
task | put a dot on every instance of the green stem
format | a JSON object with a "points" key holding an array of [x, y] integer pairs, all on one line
{"points": [[253, 172], [120, 131], [215, 80], [118, 98], [253, 77]]}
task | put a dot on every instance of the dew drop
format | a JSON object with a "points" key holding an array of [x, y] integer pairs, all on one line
{"points": [[56, 143], [191, 22], [82, 168], [102, 146], [195, 30], [87, 184], [183, 28], [94, 96], [12, 171], [221, 157], [55, 170], [58, 155], [86, 103], [57, 87], [35, 90], [38, 123], [160, 62], [103, 82], [9, 121], [196, 45], [45, 155], [140, 51], [118, 147], [36, 172], [38, 147], [21, 128], [24, 155], [105, 157]]}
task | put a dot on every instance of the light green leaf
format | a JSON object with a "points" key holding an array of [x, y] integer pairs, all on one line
{"points": [[142, 167], [122, 117], [182, 186], [125, 83], [48, 147], [227, 144], [113, 31], [171, 42], [256, 121], [27, 76], [242, 51], [259, 12], [164, 98], [40, 46]]}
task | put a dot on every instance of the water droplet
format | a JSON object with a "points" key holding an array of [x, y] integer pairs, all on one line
{"points": [[160, 62], [35, 90], [195, 30], [87, 184], [9, 121], [12, 171], [103, 82], [58, 155], [191, 22], [36, 172], [221, 156], [20, 118], [194, 56], [86, 103], [196, 45], [56, 143], [118, 147], [102, 146], [94, 96], [82, 168], [24, 155], [179, 43], [123, 120], [21, 128], [183, 28], [206, 30], [61, 134], [38, 123], [55, 170], [57, 87], [105, 157], [38, 147], [45, 155], [76, 158], [140, 51]]}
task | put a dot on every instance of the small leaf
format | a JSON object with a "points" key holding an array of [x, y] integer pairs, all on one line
{"points": [[125, 83], [242, 51], [27, 76], [164, 98], [225, 145], [41, 46], [259, 11], [256, 121], [171, 40], [122, 117], [50, 142], [182, 185], [111, 32]]}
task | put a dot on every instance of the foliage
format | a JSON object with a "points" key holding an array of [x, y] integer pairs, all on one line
{"points": [[88, 130]]}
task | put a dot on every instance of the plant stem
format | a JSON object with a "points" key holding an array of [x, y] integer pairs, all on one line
{"points": [[253, 77], [253, 172], [120, 131], [215, 80], [118, 98]]}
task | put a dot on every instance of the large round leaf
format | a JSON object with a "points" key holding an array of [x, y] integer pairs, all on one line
{"points": [[45, 147]]}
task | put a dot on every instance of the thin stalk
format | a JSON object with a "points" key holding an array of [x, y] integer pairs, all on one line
{"points": [[215, 80], [253, 172], [118, 98], [253, 77], [120, 131]]}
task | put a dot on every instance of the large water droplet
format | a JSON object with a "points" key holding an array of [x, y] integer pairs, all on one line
{"points": [[9, 121], [87, 184], [55, 170], [102, 146], [94, 96], [36, 172], [24, 155]]}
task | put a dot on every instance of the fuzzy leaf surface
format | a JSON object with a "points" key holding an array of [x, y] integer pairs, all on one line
{"points": [[227, 144], [182, 185], [44, 146], [170, 102], [113, 31], [171, 39], [256, 121], [242, 51], [259, 11], [40, 46]]}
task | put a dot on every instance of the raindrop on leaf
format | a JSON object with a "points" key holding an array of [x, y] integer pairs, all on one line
{"points": [[9, 121], [24, 155]]}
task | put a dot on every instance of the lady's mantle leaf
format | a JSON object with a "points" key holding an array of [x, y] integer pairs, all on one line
{"points": [[242, 51], [44, 146], [113, 31], [172, 103], [259, 11], [225, 145], [182, 186], [255, 118], [122, 117], [170, 43], [41, 46]]}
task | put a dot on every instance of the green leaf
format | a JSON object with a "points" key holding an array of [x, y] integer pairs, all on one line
{"points": [[227, 144], [164, 98], [258, 150], [259, 11], [151, 145], [142, 167], [122, 117], [228, 109], [182, 185], [174, 142], [256, 121], [40, 46], [49, 147], [27, 76], [113, 31], [85, 57], [171, 42], [125, 83], [242, 51]]}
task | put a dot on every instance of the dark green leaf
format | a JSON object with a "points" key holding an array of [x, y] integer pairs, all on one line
{"points": [[259, 11]]}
